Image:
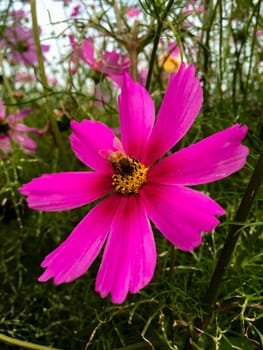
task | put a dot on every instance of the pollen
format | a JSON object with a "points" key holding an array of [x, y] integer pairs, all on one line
{"points": [[129, 175]]}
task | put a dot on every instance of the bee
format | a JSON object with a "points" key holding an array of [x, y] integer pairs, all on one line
{"points": [[121, 164]]}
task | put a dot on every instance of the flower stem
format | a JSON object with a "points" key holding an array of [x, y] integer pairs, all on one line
{"points": [[177, 39], [24, 344], [161, 20], [234, 234], [6, 82], [210, 297], [38, 46], [43, 78], [253, 44]]}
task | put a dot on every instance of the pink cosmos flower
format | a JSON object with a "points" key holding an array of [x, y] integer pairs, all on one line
{"points": [[21, 43], [173, 49], [112, 64], [132, 12], [24, 77], [192, 9], [18, 93], [12, 130], [170, 61], [18, 15], [52, 80], [75, 11], [136, 185]]}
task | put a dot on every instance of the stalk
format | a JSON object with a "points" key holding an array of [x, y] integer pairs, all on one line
{"points": [[6, 83], [210, 297], [234, 234], [53, 124], [161, 20], [253, 43], [23, 344], [220, 54], [177, 39], [209, 17]]}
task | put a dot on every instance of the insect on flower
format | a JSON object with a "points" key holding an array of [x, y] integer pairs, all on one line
{"points": [[121, 163]]}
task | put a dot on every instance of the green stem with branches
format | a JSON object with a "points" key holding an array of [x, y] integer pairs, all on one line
{"points": [[235, 231], [53, 124], [158, 32]]}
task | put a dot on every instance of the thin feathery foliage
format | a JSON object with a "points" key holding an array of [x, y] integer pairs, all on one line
{"points": [[224, 41]]}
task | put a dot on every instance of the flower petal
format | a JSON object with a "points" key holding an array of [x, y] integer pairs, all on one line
{"points": [[5, 144], [115, 65], [24, 128], [210, 159], [136, 117], [75, 255], [130, 255], [180, 106], [91, 141], [87, 53], [22, 114], [21, 139], [63, 191], [2, 109], [180, 213]]}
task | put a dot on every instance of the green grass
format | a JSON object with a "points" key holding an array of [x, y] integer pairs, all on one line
{"points": [[73, 316]]}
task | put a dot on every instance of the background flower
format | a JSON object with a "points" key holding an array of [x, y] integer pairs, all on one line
{"points": [[12, 130], [20, 41], [170, 61], [132, 12], [112, 64]]}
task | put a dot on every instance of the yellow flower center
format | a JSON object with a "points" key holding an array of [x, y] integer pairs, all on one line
{"points": [[129, 174], [171, 64]]}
